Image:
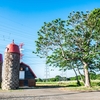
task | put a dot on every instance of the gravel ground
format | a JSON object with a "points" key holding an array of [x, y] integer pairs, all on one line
{"points": [[48, 94]]}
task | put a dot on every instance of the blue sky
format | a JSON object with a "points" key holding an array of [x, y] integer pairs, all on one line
{"points": [[21, 19]]}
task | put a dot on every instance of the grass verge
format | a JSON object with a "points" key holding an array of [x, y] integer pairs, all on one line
{"points": [[70, 85]]}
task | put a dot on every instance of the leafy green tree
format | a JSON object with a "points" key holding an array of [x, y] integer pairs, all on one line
{"points": [[72, 41], [39, 80], [52, 79], [98, 76], [56, 60], [84, 31], [93, 76], [58, 78]]}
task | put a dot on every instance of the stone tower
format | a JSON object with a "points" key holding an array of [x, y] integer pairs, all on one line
{"points": [[10, 74], [1, 61]]}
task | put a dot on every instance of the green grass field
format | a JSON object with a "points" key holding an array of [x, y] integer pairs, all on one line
{"points": [[70, 85]]}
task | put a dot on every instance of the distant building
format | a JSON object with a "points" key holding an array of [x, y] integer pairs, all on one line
{"points": [[26, 76]]}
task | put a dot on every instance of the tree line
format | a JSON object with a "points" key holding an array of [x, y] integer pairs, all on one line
{"points": [[58, 78]]}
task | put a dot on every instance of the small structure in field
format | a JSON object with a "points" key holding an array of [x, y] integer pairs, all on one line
{"points": [[26, 76]]}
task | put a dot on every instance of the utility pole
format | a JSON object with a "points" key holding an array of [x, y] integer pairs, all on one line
{"points": [[47, 71]]}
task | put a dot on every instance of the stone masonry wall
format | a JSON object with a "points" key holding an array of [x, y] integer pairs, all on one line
{"points": [[0, 73], [10, 74]]}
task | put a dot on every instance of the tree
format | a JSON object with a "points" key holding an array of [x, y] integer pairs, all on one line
{"points": [[58, 78], [82, 31], [72, 41], [56, 60], [39, 80]]}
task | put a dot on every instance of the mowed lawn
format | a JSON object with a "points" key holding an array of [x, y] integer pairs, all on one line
{"points": [[70, 85]]}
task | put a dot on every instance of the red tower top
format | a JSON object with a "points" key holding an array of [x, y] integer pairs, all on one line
{"points": [[12, 48], [1, 59]]}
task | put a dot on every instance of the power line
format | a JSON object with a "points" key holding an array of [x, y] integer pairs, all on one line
{"points": [[15, 29], [15, 21], [16, 33]]}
